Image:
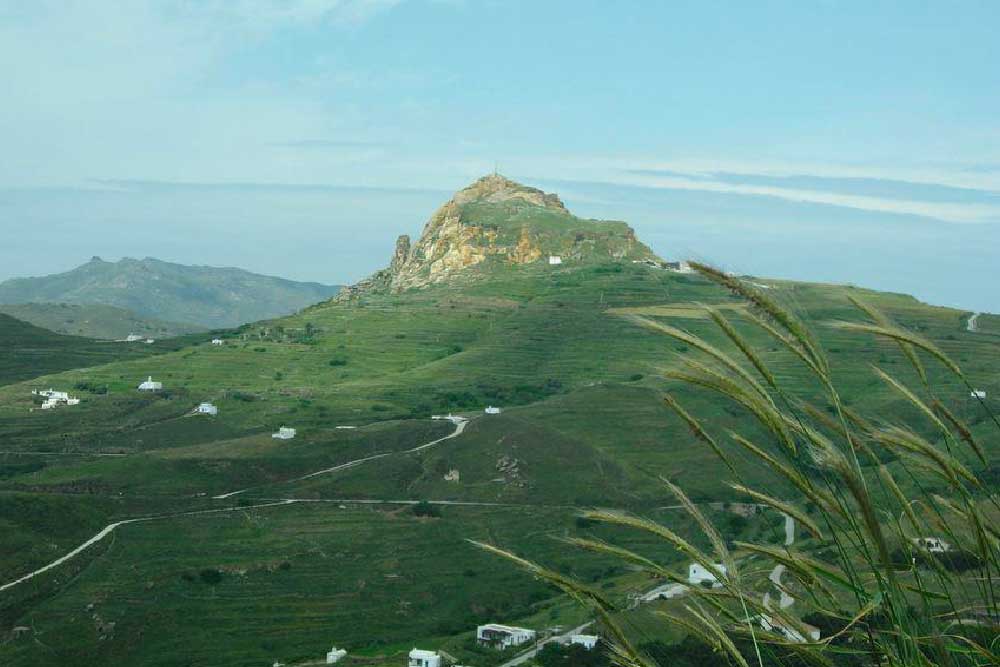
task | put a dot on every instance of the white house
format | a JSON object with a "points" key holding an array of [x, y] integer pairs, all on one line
{"points": [[586, 641], [978, 393], [217, 341], [791, 634], [133, 338], [933, 544], [150, 385], [491, 410], [555, 259], [207, 409], [334, 655], [678, 267], [284, 433], [421, 658], [698, 575], [503, 636]]}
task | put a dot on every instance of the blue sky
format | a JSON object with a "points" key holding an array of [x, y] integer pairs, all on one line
{"points": [[842, 141]]}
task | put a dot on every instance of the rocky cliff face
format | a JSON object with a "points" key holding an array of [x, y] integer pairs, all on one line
{"points": [[496, 221]]}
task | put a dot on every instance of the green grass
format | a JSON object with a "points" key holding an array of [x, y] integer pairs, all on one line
{"points": [[95, 321], [581, 389]]}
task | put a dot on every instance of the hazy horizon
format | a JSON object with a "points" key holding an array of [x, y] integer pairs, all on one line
{"points": [[835, 142]]}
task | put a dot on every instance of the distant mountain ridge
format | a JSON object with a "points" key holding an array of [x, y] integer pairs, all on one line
{"points": [[494, 223], [201, 295]]}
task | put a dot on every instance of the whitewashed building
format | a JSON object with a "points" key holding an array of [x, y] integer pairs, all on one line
{"points": [[492, 410], [207, 409], [284, 433], [150, 385], [503, 636], [791, 634], [586, 641], [678, 267], [335, 655], [933, 544], [699, 575], [133, 338], [421, 658], [978, 393], [555, 259], [217, 341]]}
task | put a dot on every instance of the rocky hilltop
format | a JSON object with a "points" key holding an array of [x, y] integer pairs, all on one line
{"points": [[497, 222]]}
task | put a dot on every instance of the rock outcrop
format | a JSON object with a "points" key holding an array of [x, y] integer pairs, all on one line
{"points": [[497, 221]]}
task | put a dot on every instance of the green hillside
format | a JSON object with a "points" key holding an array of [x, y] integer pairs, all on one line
{"points": [[95, 321], [28, 351], [268, 550], [204, 296]]}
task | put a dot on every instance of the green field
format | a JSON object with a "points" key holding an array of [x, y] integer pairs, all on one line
{"points": [[583, 425]]}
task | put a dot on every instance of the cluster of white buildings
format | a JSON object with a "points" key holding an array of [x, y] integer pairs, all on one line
{"points": [[55, 398], [284, 433], [136, 338]]}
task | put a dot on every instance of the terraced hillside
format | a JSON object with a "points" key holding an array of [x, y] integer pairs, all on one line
{"points": [[95, 321], [266, 550]]}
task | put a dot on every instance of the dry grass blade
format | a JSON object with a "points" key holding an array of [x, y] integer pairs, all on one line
{"points": [[961, 427], [723, 640], [574, 589], [783, 507], [682, 545], [700, 344], [718, 544], [790, 323], [906, 505], [896, 437], [764, 411], [741, 343], [806, 568], [598, 546], [912, 398], [883, 320], [797, 479], [901, 335], [699, 431]]}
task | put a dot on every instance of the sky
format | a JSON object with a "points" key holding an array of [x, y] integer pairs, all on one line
{"points": [[852, 142]]}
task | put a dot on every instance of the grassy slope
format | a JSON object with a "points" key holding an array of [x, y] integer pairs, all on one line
{"points": [[28, 351], [583, 418], [95, 321]]}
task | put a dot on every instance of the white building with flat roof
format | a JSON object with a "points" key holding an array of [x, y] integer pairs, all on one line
{"points": [[217, 341], [150, 385], [493, 410], [207, 409], [421, 658], [555, 259], [699, 575], [284, 433], [978, 393], [586, 641], [503, 636], [933, 544], [335, 655]]}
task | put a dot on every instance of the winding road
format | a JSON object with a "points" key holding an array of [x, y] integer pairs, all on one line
{"points": [[785, 600], [459, 422]]}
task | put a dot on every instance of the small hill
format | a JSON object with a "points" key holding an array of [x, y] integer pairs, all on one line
{"points": [[95, 321], [202, 295], [28, 351], [495, 224]]}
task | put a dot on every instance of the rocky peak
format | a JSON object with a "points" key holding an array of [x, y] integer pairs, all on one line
{"points": [[498, 222], [496, 188]]}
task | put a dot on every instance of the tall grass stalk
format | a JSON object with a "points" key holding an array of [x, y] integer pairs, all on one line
{"points": [[847, 479]]}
